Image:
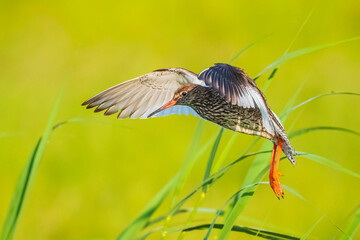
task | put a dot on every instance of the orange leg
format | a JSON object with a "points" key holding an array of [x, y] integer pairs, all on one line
{"points": [[274, 170]]}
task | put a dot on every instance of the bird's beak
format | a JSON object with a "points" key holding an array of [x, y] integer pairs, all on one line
{"points": [[171, 103]]}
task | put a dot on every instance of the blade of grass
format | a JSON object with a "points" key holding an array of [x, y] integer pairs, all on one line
{"points": [[221, 210], [242, 199], [249, 193], [331, 164], [140, 222], [204, 188], [182, 211], [311, 229], [192, 214], [259, 165], [144, 218], [299, 31], [211, 158], [317, 97], [318, 159], [250, 189], [314, 207], [250, 231], [220, 160], [26, 177], [184, 172], [289, 189], [246, 48], [254, 231], [298, 53], [220, 173], [353, 224], [317, 128], [217, 175], [91, 120], [188, 162], [212, 179], [18, 197], [9, 134], [267, 84]]}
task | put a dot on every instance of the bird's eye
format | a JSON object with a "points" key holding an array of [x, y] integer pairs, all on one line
{"points": [[184, 94]]}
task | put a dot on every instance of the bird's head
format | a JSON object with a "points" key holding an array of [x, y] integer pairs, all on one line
{"points": [[182, 96]]}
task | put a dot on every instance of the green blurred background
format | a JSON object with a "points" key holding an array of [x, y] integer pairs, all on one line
{"points": [[97, 175]]}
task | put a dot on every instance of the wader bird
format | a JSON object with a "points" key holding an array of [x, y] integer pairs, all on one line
{"points": [[222, 94]]}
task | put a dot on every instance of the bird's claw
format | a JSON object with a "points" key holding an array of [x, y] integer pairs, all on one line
{"points": [[276, 185]]}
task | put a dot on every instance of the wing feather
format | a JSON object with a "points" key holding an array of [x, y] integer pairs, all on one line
{"points": [[138, 97], [236, 87]]}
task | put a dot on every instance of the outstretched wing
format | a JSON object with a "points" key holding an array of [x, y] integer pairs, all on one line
{"points": [[238, 88], [139, 97]]}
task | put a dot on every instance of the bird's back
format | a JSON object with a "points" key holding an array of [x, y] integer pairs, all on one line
{"points": [[214, 108]]}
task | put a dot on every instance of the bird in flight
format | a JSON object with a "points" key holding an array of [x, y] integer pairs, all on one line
{"points": [[222, 94]]}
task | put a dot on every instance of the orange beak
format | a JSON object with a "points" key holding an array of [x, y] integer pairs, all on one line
{"points": [[171, 103]]}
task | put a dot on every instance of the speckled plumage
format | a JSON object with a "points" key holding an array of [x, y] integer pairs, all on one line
{"points": [[212, 107]]}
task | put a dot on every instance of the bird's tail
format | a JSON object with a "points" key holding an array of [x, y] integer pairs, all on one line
{"points": [[288, 150]]}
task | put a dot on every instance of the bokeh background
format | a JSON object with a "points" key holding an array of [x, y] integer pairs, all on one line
{"points": [[96, 175]]}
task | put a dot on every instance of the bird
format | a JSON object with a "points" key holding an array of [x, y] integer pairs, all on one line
{"points": [[222, 94]]}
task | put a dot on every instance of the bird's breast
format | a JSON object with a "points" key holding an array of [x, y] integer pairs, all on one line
{"points": [[236, 118]]}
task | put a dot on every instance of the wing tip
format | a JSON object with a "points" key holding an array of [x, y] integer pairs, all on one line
{"points": [[161, 70], [106, 113], [88, 106], [86, 102], [99, 109]]}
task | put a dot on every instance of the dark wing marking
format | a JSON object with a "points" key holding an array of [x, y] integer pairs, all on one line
{"points": [[237, 88]]}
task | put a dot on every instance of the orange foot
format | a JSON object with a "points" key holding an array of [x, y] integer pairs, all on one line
{"points": [[275, 184], [274, 170]]}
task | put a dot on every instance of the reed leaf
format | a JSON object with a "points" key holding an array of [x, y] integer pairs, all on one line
{"points": [[143, 219], [211, 158], [26, 177], [311, 229], [272, 75], [260, 166], [298, 53], [328, 163], [247, 230], [188, 162], [221, 210], [140, 222], [299, 31], [220, 160], [246, 48], [317, 97], [250, 190], [352, 225], [182, 211], [317, 128], [214, 177]]}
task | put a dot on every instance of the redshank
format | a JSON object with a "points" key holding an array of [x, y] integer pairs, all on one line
{"points": [[222, 94]]}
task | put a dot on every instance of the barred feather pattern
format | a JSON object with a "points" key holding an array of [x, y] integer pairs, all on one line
{"points": [[237, 88], [212, 107]]}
